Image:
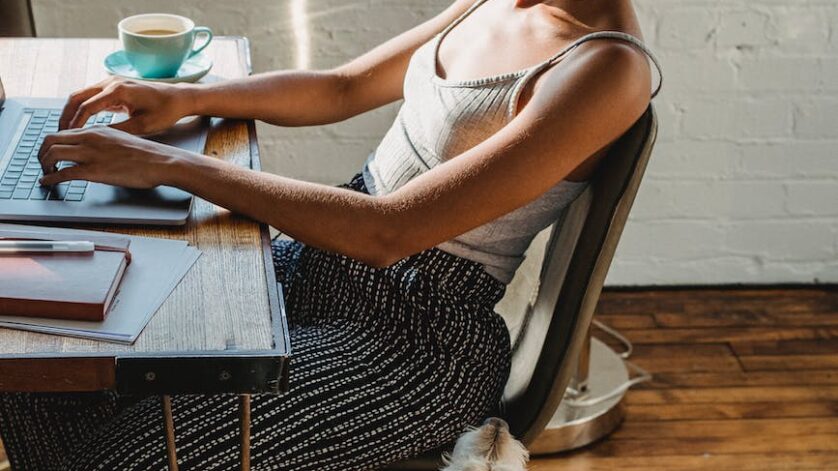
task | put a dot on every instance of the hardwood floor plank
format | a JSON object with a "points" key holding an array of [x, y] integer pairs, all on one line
{"points": [[731, 334], [788, 362], [686, 358], [818, 299], [729, 411], [710, 429], [733, 395], [628, 321], [665, 380], [744, 318], [715, 445], [585, 461], [787, 347]]}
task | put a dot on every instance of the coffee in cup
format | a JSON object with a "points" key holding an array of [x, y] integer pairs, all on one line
{"points": [[157, 44]]}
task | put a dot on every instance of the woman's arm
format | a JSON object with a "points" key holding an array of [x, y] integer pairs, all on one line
{"points": [[286, 98], [577, 109], [304, 98]]}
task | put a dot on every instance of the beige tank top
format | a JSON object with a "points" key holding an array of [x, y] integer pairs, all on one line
{"points": [[442, 118]]}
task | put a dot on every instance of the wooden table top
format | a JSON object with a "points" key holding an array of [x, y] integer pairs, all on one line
{"points": [[228, 303]]}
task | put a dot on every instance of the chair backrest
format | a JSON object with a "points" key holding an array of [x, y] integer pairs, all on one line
{"points": [[548, 337], [548, 334]]}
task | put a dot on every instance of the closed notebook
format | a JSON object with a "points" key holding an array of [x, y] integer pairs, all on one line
{"points": [[62, 285]]}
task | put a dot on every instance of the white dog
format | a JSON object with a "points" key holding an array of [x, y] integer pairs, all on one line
{"points": [[489, 447]]}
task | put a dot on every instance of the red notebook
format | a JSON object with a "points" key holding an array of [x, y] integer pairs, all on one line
{"points": [[62, 285]]}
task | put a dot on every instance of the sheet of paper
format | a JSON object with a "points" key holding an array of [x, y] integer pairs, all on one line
{"points": [[157, 267]]}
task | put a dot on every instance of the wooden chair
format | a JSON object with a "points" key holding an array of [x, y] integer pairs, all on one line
{"points": [[549, 331]]}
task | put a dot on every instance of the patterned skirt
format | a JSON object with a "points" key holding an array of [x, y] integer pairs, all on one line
{"points": [[386, 363]]}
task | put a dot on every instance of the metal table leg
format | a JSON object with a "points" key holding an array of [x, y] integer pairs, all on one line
{"points": [[169, 425], [244, 431]]}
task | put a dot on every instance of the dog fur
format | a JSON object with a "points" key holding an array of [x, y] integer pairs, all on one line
{"points": [[489, 447]]}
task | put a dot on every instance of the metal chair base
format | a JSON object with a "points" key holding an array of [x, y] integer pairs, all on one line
{"points": [[573, 427]]}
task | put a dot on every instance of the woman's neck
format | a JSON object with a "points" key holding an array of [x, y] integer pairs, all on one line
{"points": [[591, 14]]}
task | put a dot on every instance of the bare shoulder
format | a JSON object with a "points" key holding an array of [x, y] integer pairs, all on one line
{"points": [[628, 65], [605, 78]]}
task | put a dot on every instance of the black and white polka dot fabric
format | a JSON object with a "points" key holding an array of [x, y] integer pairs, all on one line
{"points": [[386, 363]]}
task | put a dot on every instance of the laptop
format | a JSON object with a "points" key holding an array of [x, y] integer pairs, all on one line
{"points": [[24, 122]]}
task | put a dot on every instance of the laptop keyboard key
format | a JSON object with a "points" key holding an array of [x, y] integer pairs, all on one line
{"points": [[39, 193], [59, 192], [21, 194], [19, 179]]}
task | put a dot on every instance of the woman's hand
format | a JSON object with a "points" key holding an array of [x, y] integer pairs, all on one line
{"points": [[151, 107], [106, 155]]}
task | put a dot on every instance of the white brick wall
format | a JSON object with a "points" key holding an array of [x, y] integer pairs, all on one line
{"points": [[743, 186]]}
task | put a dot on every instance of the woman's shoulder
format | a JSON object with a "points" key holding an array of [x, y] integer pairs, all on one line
{"points": [[616, 69]]}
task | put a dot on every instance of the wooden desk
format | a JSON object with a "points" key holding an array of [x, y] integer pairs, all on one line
{"points": [[223, 329]]}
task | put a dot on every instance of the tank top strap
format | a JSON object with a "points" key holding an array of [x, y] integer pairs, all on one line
{"points": [[618, 35], [459, 19]]}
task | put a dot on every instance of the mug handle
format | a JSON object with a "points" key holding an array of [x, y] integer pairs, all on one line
{"points": [[201, 30]]}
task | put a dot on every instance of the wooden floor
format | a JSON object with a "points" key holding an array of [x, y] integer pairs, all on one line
{"points": [[744, 379]]}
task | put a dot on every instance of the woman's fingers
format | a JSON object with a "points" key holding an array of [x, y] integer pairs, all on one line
{"points": [[103, 100], [61, 153], [73, 102], [75, 172], [105, 155], [137, 124], [68, 137]]}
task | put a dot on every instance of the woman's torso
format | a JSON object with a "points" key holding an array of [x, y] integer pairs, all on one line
{"points": [[444, 117]]}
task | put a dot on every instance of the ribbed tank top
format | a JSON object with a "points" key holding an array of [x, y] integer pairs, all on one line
{"points": [[440, 119]]}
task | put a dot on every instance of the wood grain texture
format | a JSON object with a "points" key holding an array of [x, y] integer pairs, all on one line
{"points": [[223, 301], [738, 384]]}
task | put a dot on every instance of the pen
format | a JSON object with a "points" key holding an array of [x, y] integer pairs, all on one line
{"points": [[39, 246]]}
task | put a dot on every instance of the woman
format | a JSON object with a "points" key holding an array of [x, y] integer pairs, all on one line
{"points": [[392, 279]]}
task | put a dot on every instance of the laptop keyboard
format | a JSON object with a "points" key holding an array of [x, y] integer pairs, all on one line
{"points": [[20, 179]]}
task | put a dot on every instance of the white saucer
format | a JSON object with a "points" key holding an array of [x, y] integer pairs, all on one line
{"points": [[191, 71]]}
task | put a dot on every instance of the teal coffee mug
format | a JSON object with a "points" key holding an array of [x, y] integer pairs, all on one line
{"points": [[157, 44]]}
